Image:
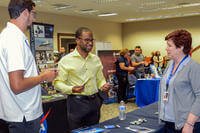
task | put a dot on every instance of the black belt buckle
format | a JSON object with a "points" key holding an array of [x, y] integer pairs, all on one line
{"points": [[85, 97], [79, 97], [92, 96]]}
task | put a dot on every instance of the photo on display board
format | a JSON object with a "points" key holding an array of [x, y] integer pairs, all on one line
{"points": [[39, 31], [44, 59], [42, 45]]}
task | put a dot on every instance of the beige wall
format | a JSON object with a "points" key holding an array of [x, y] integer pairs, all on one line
{"points": [[4, 17], [103, 31], [150, 34]]}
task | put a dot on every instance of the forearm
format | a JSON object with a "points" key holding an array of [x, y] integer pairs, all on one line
{"points": [[125, 68], [62, 87], [135, 64], [20, 83], [24, 84]]}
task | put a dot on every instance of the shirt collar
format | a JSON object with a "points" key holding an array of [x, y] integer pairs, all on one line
{"points": [[185, 62], [13, 26], [76, 54]]}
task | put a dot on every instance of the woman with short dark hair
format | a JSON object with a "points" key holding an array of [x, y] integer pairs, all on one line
{"points": [[180, 86]]}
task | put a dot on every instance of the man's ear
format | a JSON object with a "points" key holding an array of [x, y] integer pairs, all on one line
{"points": [[25, 12], [77, 40]]}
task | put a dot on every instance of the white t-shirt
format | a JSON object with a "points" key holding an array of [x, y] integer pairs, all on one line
{"points": [[15, 54]]}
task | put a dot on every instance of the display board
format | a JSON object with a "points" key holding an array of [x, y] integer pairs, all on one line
{"points": [[41, 41]]}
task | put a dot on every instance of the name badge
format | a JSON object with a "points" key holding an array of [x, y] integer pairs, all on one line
{"points": [[166, 96]]}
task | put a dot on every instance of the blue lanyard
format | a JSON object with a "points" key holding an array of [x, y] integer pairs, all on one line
{"points": [[171, 75], [26, 41]]}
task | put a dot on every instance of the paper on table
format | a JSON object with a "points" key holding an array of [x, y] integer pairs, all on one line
{"points": [[139, 129]]}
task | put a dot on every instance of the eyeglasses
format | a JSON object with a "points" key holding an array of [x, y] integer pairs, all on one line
{"points": [[87, 40]]}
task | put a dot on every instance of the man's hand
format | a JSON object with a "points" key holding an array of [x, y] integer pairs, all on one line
{"points": [[106, 87], [78, 89], [49, 74]]}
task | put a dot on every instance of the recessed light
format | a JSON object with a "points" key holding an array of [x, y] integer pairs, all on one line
{"points": [[105, 1], [164, 16], [61, 6], [88, 11], [37, 1], [107, 14]]}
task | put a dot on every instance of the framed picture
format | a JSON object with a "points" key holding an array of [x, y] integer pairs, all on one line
{"points": [[66, 40]]}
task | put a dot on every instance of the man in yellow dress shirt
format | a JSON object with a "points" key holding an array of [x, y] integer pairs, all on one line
{"points": [[80, 76]]}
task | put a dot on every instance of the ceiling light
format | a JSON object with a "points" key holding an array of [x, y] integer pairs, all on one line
{"points": [[37, 1], [61, 6], [104, 1], [190, 4], [153, 3], [181, 5], [178, 6], [164, 16], [107, 14], [85, 11]]}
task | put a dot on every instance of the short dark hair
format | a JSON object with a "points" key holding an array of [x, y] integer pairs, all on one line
{"points": [[16, 7], [181, 38], [138, 47], [80, 30]]}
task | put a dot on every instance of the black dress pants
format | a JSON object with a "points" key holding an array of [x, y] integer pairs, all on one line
{"points": [[3, 126], [82, 111], [20, 127], [123, 84]]}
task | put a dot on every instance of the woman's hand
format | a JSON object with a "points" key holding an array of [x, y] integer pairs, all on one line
{"points": [[187, 128]]}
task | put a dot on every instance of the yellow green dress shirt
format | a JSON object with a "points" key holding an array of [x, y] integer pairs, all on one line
{"points": [[74, 70]]}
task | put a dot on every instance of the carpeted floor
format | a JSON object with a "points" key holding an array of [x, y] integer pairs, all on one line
{"points": [[109, 111]]}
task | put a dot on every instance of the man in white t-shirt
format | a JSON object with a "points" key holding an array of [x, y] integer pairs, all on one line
{"points": [[20, 92]]}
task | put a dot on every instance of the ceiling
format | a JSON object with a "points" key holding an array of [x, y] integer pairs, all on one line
{"points": [[126, 10]]}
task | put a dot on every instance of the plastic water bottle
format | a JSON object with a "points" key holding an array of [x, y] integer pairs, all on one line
{"points": [[122, 111]]}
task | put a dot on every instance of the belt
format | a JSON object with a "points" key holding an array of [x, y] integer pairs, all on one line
{"points": [[84, 96]]}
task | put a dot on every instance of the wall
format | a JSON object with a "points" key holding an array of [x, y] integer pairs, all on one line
{"points": [[150, 34], [4, 17], [103, 31]]}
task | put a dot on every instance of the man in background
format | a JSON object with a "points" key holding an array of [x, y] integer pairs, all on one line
{"points": [[71, 50], [20, 92], [137, 61], [62, 51], [80, 76]]}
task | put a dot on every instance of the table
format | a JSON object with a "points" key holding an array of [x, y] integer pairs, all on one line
{"points": [[148, 112], [57, 119], [146, 91]]}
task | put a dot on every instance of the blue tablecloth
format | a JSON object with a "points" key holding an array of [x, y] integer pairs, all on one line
{"points": [[146, 91], [148, 112]]}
